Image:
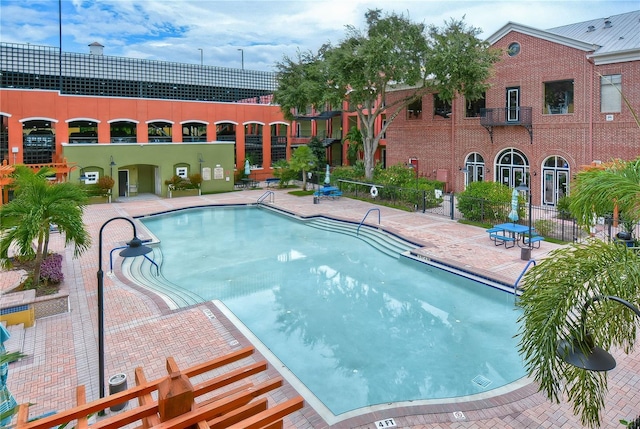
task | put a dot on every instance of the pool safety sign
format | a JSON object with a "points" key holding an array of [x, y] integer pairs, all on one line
{"points": [[386, 423]]}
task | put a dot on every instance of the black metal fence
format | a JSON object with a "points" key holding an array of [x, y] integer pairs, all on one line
{"points": [[547, 220]]}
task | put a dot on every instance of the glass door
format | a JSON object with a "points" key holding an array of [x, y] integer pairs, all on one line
{"points": [[513, 104]]}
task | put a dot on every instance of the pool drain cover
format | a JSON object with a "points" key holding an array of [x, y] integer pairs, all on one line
{"points": [[481, 381]]}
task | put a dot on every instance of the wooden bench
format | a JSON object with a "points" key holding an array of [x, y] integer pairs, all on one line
{"points": [[500, 239], [272, 181]]}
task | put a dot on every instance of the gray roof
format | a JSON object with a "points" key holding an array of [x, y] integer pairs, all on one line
{"points": [[611, 34], [608, 40]]}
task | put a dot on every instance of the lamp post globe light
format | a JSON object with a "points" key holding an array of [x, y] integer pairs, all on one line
{"points": [[134, 248], [525, 252]]}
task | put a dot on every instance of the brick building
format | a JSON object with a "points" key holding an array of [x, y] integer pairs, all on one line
{"points": [[554, 105], [139, 121]]}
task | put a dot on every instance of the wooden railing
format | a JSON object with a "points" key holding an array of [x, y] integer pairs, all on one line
{"points": [[237, 406]]}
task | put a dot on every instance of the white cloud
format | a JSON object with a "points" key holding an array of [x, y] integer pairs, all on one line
{"points": [[265, 30]]}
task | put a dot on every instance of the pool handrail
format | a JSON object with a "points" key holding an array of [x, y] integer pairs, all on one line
{"points": [[365, 216], [265, 195], [526, 267], [124, 247]]}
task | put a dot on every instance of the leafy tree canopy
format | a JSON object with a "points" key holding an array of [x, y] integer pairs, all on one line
{"points": [[393, 52]]}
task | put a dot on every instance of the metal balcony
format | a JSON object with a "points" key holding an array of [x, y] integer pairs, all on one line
{"points": [[506, 117]]}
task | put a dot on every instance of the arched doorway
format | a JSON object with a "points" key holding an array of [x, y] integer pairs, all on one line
{"points": [[555, 180], [512, 168], [475, 168]]}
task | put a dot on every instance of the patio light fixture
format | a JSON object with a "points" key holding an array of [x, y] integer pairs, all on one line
{"points": [[134, 248], [582, 352], [526, 252]]}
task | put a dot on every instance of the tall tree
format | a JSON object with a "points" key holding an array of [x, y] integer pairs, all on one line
{"points": [[392, 52], [37, 205], [558, 297]]}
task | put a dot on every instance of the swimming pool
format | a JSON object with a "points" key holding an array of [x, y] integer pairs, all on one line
{"points": [[357, 327]]}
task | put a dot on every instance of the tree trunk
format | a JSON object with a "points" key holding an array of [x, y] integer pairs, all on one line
{"points": [[304, 180], [38, 260]]}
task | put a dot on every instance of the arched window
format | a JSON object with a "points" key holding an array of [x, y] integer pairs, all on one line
{"points": [[39, 141], [512, 168], [555, 179], [123, 132], [475, 168]]}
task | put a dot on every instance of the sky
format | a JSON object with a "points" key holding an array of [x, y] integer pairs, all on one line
{"points": [[257, 34]]}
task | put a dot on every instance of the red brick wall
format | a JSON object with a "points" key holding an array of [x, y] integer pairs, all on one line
{"points": [[580, 137]]}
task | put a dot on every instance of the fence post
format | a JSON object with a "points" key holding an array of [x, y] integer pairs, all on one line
{"points": [[453, 206]]}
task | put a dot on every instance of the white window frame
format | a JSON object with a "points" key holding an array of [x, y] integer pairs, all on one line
{"points": [[91, 177], [182, 172], [611, 93]]}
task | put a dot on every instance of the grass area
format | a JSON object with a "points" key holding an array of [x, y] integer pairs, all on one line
{"points": [[301, 193]]}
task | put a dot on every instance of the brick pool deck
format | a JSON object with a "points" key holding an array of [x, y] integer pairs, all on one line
{"points": [[141, 331]]}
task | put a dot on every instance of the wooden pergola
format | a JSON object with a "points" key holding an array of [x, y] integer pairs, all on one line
{"points": [[231, 401]]}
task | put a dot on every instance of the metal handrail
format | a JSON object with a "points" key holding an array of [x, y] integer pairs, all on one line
{"points": [[515, 285], [265, 195], [124, 247], [365, 216]]}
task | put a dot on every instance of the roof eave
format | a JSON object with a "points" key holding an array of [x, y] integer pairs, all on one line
{"points": [[615, 57], [541, 34]]}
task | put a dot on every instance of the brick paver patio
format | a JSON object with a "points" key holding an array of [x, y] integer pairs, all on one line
{"points": [[141, 331]]}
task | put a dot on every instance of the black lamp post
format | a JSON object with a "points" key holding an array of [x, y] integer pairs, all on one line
{"points": [[112, 164], [134, 248], [582, 352], [525, 253]]}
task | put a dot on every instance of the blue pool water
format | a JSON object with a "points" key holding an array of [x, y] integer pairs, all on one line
{"points": [[355, 326]]}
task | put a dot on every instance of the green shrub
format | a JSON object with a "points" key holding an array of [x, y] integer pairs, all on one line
{"points": [[544, 227], [485, 202], [284, 173], [563, 207]]}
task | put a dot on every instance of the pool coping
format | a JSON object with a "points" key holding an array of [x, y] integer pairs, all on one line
{"points": [[501, 401]]}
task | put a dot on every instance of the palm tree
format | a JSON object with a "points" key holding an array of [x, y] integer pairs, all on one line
{"points": [[354, 137], [37, 206], [303, 160], [560, 289]]}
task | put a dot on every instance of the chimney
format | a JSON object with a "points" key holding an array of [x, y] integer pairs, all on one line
{"points": [[96, 48]]}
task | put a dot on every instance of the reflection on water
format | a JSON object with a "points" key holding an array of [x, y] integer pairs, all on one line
{"points": [[356, 327]]}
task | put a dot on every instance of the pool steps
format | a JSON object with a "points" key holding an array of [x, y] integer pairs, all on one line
{"points": [[142, 273], [388, 244]]}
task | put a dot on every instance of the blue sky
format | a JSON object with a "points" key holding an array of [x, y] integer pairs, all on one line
{"points": [[222, 33]]}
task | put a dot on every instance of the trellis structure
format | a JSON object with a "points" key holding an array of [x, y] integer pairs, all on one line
{"points": [[232, 401]]}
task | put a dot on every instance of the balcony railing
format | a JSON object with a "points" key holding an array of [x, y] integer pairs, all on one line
{"points": [[506, 116]]}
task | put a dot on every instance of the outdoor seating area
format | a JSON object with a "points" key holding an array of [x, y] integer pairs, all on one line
{"points": [[272, 181], [328, 192], [512, 234]]}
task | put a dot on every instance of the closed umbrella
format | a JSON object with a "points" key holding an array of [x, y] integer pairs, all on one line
{"points": [[513, 215], [327, 176], [7, 402], [247, 168]]}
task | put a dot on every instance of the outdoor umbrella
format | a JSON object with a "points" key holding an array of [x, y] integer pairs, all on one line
{"points": [[513, 215], [327, 176], [247, 167], [7, 402]]}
